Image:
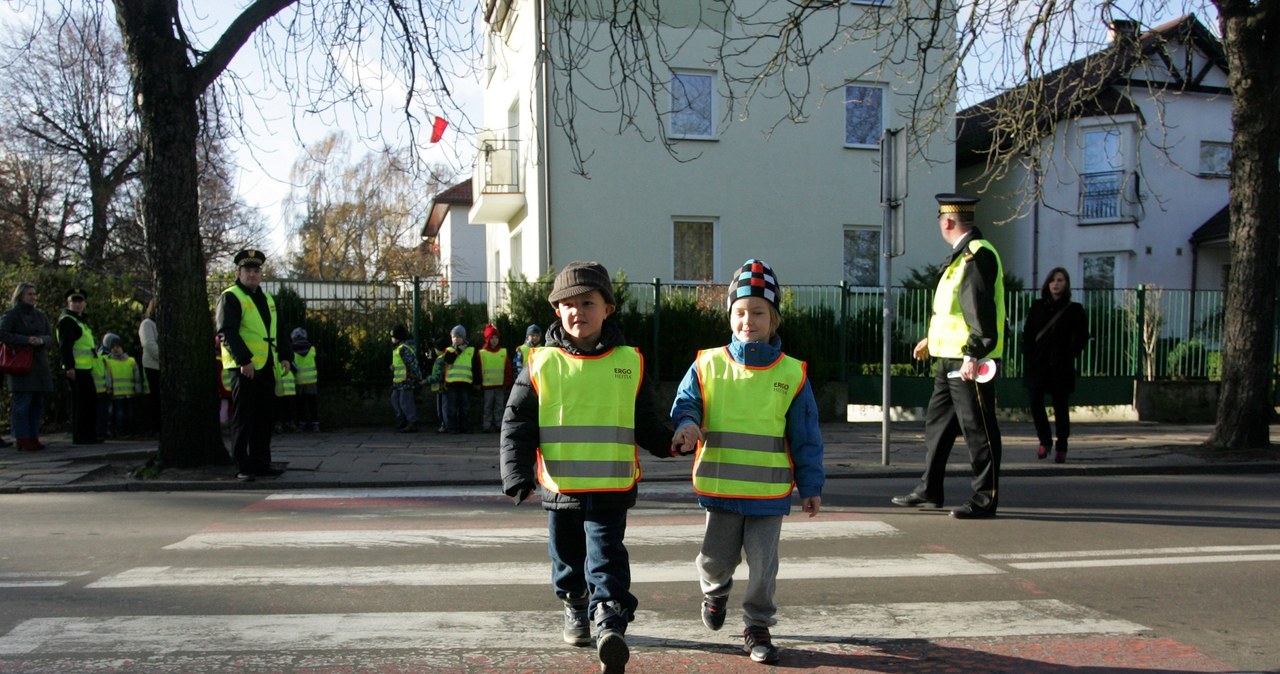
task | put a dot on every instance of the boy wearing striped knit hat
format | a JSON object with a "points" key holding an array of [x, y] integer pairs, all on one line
{"points": [[749, 412]]}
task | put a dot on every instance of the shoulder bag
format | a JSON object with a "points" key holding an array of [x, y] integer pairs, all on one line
{"points": [[15, 360]]}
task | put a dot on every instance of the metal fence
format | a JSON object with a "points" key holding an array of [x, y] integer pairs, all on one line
{"points": [[1143, 332]]}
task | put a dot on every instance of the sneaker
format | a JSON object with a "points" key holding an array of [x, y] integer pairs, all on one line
{"points": [[757, 642], [577, 623], [713, 611], [611, 649]]}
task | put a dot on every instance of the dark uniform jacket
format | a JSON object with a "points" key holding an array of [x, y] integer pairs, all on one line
{"points": [[227, 319], [520, 436]]}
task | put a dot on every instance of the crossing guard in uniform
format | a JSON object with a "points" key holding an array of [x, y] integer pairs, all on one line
{"points": [[571, 426], [250, 330], [77, 351], [967, 325]]}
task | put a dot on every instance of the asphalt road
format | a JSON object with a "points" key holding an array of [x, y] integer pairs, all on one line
{"points": [[1170, 573]]}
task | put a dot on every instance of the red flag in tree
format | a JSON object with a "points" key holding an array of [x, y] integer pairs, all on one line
{"points": [[437, 129]]}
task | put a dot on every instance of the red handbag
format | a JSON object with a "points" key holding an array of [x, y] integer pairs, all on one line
{"points": [[15, 360]]}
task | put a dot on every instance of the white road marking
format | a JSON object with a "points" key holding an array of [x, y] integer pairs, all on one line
{"points": [[1130, 552], [492, 537], [1145, 561], [647, 489], [38, 578], [528, 630], [525, 573]]}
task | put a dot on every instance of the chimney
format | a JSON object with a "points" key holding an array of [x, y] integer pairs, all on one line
{"points": [[1124, 32]]}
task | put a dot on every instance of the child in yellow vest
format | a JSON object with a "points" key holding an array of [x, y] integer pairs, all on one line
{"points": [[124, 383], [748, 395], [584, 398]]}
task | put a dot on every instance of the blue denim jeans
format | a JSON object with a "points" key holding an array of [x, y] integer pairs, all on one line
{"points": [[27, 412], [457, 409], [588, 556]]}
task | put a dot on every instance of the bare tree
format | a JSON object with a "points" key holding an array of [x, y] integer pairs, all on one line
{"points": [[357, 219], [37, 210], [66, 86]]}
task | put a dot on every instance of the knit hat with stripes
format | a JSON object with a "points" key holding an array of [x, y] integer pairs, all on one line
{"points": [[755, 278]]}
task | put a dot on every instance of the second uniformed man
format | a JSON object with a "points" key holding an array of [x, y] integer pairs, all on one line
{"points": [[967, 325]]}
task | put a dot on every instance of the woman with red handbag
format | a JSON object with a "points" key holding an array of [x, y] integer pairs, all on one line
{"points": [[25, 326]]}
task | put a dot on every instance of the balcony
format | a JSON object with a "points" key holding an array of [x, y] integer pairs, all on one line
{"points": [[1101, 195], [496, 191]]}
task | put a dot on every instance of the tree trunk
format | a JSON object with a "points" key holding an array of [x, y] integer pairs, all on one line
{"points": [[165, 93], [1253, 50]]}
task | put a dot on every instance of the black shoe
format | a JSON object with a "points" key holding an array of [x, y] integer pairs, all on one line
{"points": [[1060, 452], [244, 476], [971, 511], [713, 611], [611, 649], [757, 642], [408, 428], [577, 622], [915, 500], [269, 472]]}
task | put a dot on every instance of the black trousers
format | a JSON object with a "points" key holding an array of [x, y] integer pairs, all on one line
{"points": [[84, 409], [254, 402], [1061, 415], [959, 407], [153, 399]]}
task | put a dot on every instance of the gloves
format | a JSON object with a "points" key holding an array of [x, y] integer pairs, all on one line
{"points": [[522, 492]]}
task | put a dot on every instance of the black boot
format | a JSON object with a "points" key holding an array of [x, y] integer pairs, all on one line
{"points": [[577, 624], [611, 646]]}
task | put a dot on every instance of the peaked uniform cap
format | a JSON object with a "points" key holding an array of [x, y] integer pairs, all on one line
{"points": [[949, 202], [755, 278], [75, 292], [250, 257]]}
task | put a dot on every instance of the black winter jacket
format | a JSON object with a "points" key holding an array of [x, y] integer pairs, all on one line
{"points": [[520, 436]]}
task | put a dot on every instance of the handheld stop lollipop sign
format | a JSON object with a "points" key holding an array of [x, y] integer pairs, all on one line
{"points": [[986, 371]]}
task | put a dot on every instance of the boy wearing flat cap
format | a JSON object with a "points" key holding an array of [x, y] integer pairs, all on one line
{"points": [[250, 330], [570, 430], [79, 353], [967, 325]]}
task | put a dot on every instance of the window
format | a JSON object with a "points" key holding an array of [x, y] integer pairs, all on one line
{"points": [[692, 108], [862, 256], [694, 250], [1102, 178], [1215, 159], [1100, 271], [863, 115]]}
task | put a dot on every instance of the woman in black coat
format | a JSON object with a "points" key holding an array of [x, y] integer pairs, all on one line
{"points": [[1055, 333], [25, 326]]}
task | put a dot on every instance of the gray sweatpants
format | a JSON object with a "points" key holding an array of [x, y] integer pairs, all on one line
{"points": [[727, 537]]}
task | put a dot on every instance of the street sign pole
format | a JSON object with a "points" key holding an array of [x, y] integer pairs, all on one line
{"points": [[893, 190]]}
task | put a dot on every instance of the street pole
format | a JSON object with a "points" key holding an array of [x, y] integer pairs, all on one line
{"points": [[893, 190]]}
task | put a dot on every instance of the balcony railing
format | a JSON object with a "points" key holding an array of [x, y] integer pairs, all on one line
{"points": [[497, 194], [1100, 195]]}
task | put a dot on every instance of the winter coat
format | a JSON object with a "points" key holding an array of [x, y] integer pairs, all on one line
{"points": [[1048, 363], [520, 432], [804, 437], [16, 325]]}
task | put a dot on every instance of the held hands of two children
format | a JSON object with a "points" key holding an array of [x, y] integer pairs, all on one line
{"points": [[686, 440]]}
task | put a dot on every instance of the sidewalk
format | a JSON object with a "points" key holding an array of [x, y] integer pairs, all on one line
{"points": [[371, 457]]}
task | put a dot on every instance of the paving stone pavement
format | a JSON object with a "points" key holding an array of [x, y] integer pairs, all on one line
{"points": [[375, 457]]}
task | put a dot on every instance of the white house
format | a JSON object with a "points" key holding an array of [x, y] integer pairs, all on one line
{"points": [[802, 195], [1134, 171], [458, 245]]}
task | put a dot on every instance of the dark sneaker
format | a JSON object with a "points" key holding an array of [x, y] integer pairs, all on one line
{"points": [[713, 610], [759, 645], [611, 649], [577, 624], [914, 500]]}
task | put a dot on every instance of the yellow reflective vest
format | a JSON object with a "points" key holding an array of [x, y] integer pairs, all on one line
{"points": [[399, 371], [84, 349], [258, 336], [125, 378], [493, 364], [745, 452], [948, 332], [286, 385], [586, 419], [459, 371], [306, 365]]}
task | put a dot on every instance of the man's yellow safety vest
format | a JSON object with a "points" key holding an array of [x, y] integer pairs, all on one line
{"points": [[258, 336], [586, 419], [745, 452], [948, 332]]}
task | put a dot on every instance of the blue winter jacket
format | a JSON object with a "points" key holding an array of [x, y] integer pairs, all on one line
{"points": [[803, 435]]}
